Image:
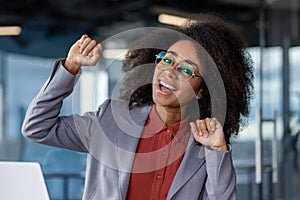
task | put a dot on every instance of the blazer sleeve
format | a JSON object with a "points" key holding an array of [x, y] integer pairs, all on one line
{"points": [[221, 176], [42, 122]]}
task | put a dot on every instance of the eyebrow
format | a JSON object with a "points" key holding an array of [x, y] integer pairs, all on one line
{"points": [[187, 60]]}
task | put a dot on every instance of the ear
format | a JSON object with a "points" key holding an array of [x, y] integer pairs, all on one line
{"points": [[199, 94]]}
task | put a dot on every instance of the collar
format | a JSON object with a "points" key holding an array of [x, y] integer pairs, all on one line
{"points": [[155, 125]]}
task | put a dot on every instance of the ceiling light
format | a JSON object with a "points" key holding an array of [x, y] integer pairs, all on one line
{"points": [[117, 54], [171, 19], [10, 30]]}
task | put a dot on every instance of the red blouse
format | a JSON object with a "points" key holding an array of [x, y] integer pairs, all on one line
{"points": [[158, 156]]}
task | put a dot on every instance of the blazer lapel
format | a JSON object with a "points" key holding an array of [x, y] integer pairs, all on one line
{"points": [[128, 138], [193, 159]]}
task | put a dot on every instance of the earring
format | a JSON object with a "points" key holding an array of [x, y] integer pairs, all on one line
{"points": [[198, 96]]}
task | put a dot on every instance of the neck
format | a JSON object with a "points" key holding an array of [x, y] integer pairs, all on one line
{"points": [[170, 115]]}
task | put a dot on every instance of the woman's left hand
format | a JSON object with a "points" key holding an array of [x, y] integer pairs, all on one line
{"points": [[209, 132]]}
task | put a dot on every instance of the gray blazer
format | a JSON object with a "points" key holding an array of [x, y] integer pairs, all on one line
{"points": [[110, 137]]}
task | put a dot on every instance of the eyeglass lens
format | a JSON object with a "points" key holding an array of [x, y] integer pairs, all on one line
{"points": [[167, 60]]}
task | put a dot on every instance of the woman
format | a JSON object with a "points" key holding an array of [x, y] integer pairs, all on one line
{"points": [[147, 151]]}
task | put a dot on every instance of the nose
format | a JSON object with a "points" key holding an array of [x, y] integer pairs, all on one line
{"points": [[172, 72]]}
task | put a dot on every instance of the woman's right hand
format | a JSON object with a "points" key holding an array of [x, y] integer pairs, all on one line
{"points": [[85, 51]]}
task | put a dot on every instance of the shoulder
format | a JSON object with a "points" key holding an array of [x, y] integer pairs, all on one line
{"points": [[119, 109]]}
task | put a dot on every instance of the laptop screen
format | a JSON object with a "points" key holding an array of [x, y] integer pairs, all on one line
{"points": [[22, 180]]}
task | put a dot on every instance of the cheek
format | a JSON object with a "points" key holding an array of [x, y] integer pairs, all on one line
{"points": [[186, 93], [155, 74], [189, 91]]}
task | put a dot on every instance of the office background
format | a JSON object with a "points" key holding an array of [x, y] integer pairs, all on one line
{"points": [[265, 170]]}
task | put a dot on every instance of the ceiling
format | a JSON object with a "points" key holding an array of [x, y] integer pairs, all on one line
{"points": [[89, 14], [60, 22]]}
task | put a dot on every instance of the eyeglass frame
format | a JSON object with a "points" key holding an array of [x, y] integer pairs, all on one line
{"points": [[172, 54]]}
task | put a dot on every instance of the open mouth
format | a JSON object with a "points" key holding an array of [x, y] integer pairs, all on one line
{"points": [[166, 87]]}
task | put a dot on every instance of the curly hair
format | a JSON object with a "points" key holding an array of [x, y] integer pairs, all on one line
{"points": [[229, 53]]}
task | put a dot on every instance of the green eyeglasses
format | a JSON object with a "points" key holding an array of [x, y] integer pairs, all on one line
{"points": [[165, 60]]}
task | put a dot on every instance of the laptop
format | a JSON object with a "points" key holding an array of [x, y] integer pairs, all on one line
{"points": [[22, 181]]}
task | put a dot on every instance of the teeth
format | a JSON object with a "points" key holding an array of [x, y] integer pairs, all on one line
{"points": [[167, 85]]}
